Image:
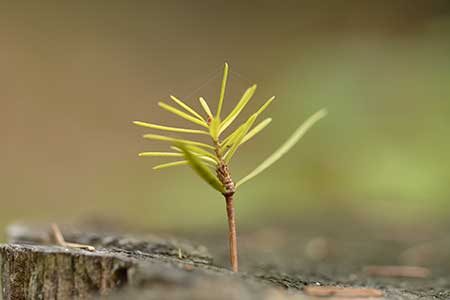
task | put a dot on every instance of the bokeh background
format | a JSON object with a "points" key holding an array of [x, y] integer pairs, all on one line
{"points": [[74, 74]]}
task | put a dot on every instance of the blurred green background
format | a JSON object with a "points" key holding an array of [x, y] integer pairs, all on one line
{"points": [[74, 74]]}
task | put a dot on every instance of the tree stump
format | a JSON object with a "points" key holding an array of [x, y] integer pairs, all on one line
{"points": [[122, 267]]}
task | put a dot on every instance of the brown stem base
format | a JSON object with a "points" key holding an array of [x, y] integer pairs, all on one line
{"points": [[232, 232]]}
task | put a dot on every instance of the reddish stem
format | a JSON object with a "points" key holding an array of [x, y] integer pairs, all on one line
{"points": [[223, 174], [232, 232]]}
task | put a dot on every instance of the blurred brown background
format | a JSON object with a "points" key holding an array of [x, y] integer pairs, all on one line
{"points": [[73, 74]]}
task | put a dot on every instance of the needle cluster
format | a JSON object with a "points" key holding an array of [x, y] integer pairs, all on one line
{"points": [[211, 160]]}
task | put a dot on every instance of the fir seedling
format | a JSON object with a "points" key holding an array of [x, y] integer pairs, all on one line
{"points": [[211, 161]]}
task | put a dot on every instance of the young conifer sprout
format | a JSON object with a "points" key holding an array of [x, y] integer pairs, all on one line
{"points": [[211, 161]]}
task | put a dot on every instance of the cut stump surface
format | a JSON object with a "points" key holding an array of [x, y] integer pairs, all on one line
{"points": [[120, 268], [147, 267]]}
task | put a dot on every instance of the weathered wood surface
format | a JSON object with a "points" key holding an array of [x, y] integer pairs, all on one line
{"points": [[121, 268], [32, 272], [148, 267]]}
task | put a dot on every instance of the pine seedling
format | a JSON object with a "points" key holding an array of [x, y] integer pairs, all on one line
{"points": [[211, 160]]}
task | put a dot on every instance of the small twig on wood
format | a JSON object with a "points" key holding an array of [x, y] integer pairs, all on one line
{"points": [[60, 241]]}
